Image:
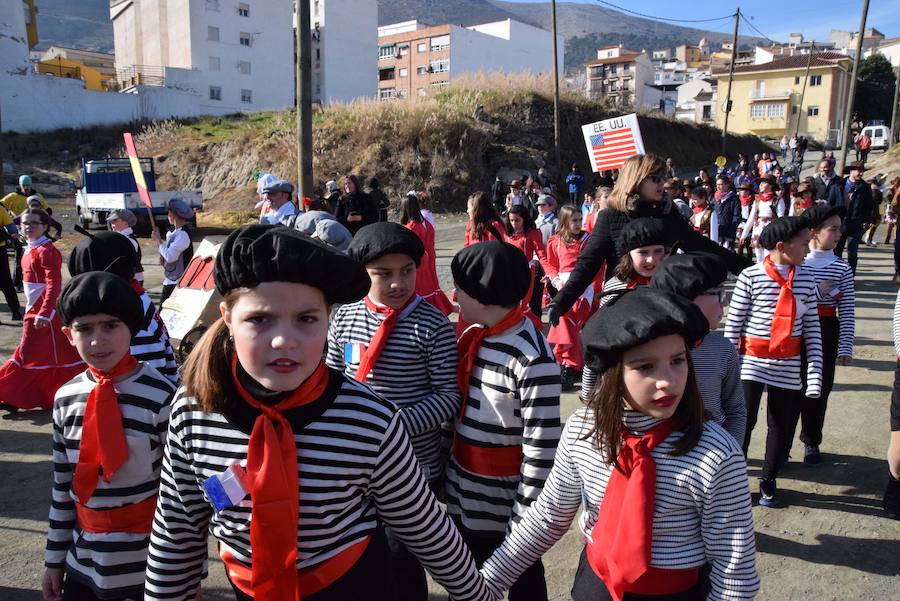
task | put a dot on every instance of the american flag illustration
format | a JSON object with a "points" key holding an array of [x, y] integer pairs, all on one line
{"points": [[610, 149]]}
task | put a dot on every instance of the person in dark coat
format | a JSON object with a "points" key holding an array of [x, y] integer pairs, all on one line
{"points": [[379, 198], [638, 193], [728, 211], [498, 195], [829, 185], [356, 209], [857, 200]]}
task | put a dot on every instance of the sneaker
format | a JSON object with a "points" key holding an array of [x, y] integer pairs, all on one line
{"points": [[891, 502], [811, 455], [767, 492]]}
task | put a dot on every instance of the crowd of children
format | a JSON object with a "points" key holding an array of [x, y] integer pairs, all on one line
{"points": [[321, 419]]}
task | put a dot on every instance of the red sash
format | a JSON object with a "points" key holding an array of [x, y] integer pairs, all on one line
{"points": [[785, 307], [136, 518], [827, 310], [376, 345], [760, 347]]}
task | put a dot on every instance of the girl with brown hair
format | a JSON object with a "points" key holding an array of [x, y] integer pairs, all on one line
{"points": [[663, 493], [427, 284], [484, 222]]}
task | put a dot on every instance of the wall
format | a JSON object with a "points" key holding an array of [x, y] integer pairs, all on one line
{"points": [[13, 41], [527, 49], [689, 90], [349, 50]]}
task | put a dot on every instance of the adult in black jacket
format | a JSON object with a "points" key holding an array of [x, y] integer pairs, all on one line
{"points": [[728, 210], [829, 186], [638, 193], [498, 195], [379, 198], [356, 208], [857, 200]]}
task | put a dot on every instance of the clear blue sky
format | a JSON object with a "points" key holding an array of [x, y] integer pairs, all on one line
{"points": [[814, 18]]}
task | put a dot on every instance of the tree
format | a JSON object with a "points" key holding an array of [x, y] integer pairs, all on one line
{"points": [[875, 89]]}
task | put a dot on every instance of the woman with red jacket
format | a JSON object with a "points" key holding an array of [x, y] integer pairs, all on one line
{"points": [[524, 235], [427, 284]]}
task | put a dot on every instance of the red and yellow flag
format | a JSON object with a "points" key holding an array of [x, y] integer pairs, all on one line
{"points": [[136, 170]]}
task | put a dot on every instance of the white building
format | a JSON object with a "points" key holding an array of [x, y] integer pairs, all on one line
{"points": [[890, 49], [344, 49], [237, 56], [696, 101], [622, 76]]}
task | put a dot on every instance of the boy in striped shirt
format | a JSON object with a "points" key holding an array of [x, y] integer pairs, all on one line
{"points": [[109, 431], [771, 319], [508, 426], [405, 349]]}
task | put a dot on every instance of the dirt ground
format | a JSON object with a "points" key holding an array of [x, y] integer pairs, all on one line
{"points": [[830, 543]]}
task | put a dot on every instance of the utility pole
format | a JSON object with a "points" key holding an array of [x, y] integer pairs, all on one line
{"points": [[803, 92], [848, 111], [559, 172], [2, 174], [893, 113], [304, 101], [734, 43]]}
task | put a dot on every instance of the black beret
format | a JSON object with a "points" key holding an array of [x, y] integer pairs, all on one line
{"points": [[644, 231], [259, 253], [98, 292], [104, 251], [636, 317], [782, 229], [816, 215], [493, 273], [386, 238], [690, 274]]}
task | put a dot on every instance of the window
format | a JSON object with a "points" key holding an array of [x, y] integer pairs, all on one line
{"points": [[401, 93], [247, 96], [385, 74], [626, 67], [212, 34], [812, 111], [244, 67], [794, 109], [421, 70], [775, 110], [707, 112], [245, 38], [757, 110], [440, 42], [796, 81], [440, 84], [440, 65], [421, 47], [613, 69], [402, 50], [387, 51], [215, 93], [243, 9], [386, 93], [215, 64], [404, 72], [815, 80]]}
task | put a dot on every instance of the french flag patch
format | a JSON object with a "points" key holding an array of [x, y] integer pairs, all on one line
{"points": [[353, 352]]}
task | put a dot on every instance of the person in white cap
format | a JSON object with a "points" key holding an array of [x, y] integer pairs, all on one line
{"points": [[123, 221], [332, 196], [177, 250], [281, 208]]}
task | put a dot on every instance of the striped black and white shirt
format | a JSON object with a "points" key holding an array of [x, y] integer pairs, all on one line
{"points": [[702, 510], [826, 267], [718, 372], [896, 326], [111, 564], [356, 468], [416, 369], [151, 345], [750, 314], [513, 400]]}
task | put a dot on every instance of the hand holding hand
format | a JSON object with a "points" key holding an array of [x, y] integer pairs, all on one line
{"points": [[844, 361], [553, 314], [41, 322], [51, 586]]}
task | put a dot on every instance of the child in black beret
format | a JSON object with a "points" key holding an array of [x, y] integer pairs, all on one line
{"points": [[109, 428], [662, 492], [292, 466], [771, 319], [508, 425], [405, 349]]}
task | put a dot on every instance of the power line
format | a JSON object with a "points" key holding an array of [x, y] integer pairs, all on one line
{"points": [[658, 18], [756, 29]]}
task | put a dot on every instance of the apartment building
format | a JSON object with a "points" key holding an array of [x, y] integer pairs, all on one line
{"points": [[236, 55], [344, 50], [417, 59], [766, 97], [620, 75]]}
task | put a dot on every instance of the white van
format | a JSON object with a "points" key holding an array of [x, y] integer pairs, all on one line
{"points": [[880, 134]]}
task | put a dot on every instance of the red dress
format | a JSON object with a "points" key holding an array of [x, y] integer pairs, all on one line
{"points": [[470, 235], [427, 284], [44, 359]]}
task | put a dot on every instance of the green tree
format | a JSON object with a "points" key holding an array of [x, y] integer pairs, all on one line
{"points": [[875, 89]]}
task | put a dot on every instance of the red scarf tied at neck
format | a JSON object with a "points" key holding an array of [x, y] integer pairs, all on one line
{"points": [[785, 306], [622, 537], [272, 478], [638, 280], [376, 345], [470, 342], [102, 421]]}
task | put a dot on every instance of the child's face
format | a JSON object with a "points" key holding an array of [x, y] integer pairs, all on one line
{"points": [[101, 340], [279, 331], [794, 250], [828, 234], [393, 279], [33, 228], [544, 209], [654, 376], [647, 258], [516, 221], [470, 209], [699, 201], [712, 303], [575, 223], [603, 200]]}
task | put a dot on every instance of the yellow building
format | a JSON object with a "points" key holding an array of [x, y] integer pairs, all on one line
{"points": [[766, 98], [63, 67]]}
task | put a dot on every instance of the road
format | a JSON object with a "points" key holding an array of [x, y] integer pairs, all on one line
{"points": [[830, 543]]}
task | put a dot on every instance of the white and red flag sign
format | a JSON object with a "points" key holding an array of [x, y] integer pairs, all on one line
{"points": [[611, 141]]}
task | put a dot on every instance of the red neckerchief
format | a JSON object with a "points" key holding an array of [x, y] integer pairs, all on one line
{"points": [[103, 442], [137, 287], [785, 306], [622, 537], [638, 280], [698, 209], [470, 342], [746, 199], [376, 345], [272, 479]]}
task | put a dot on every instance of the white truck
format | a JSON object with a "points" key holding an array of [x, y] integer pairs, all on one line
{"points": [[108, 184]]}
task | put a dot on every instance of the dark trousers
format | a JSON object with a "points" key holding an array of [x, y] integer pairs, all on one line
{"points": [[851, 241], [167, 290], [811, 412], [780, 407], [897, 253], [75, 590], [588, 587], [531, 585], [537, 293], [17, 269], [895, 401], [6, 284]]}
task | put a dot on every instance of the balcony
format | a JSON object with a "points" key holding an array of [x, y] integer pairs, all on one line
{"points": [[769, 94]]}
